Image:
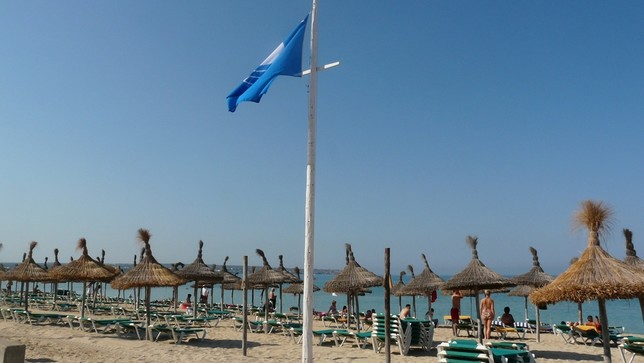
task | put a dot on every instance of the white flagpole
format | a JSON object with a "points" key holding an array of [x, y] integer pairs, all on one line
{"points": [[309, 228]]}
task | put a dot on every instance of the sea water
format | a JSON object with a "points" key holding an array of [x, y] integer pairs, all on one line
{"points": [[624, 313]]}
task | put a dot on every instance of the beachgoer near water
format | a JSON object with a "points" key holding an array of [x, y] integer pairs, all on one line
{"points": [[186, 304], [507, 319], [333, 309], [404, 313], [487, 313], [272, 297], [455, 312]]}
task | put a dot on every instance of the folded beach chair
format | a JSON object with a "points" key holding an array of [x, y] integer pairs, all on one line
{"points": [[466, 350], [420, 335], [633, 346], [396, 334]]}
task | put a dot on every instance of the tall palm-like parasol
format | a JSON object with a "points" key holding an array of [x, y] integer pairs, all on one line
{"points": [[83, 269], [476, 276], [352, 280], [596, 275], [534, 278], [148, 273], [265, 277], [632, 259], [424, 284], [28, 271], [290, 278], [200, 273], [397, 287], [230, 280], [297, 288], [175, 289]]}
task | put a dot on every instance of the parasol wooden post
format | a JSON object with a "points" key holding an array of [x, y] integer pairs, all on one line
{"points": [[479, 322], [603, 320], [83, 299], [26, 284], [538, 315], [526, 308], [148, 289]]}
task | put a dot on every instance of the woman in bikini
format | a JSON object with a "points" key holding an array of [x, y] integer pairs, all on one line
{"points": [[487, 314]]}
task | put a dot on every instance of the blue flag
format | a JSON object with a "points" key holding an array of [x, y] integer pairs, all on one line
{"points": [[286, 60]]}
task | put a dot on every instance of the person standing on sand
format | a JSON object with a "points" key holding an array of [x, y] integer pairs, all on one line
{"points": [[487, 314], [455, 312]]}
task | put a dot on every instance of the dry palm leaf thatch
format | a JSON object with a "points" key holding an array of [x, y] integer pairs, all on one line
{"points": [[536, 277], [298, 287], [281, 269], [352, 278], [476, 276], [84, 268], [596, 275], [148, 272], [521, 290], [631, 255], [400, 291], [265, 276], [28, 270], [425, 283], [400, 284], [199, 271], [227, 275], [110, 268]]}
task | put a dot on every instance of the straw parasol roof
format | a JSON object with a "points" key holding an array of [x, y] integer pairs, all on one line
{"points": [[266, 276], [84, 268], [353, 277], [199, 271], [596, 275], [298, 287], [536, 277], [476, 276], [632, 260], [116, 271], [631, 255], [281, 269], [148, 272], [424, 283], [228, 276], [28, 271]]}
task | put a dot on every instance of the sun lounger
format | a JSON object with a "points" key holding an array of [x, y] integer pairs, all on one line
{"points": [[360, 339], [503, 330], [127, 327], [465, 350], [565, 332], [586, 334], [633, 346], [177, 334]]}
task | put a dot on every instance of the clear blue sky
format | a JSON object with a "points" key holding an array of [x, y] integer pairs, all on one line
{"points": [[445, 119]]}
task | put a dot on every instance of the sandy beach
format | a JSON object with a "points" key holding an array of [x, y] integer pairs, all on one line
{"points": [[60, 343]]}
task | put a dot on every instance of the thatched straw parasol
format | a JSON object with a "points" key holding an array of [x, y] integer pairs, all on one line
{"points": [[229, 282], [476, 276], [424, 284], [352, 280], [534, 278], [28, 271], [83, 269], [266, 277], [632, 259], [297, 288], [291, 279], [397, 287], [148, 273], [200, 273], [596, 275]]}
